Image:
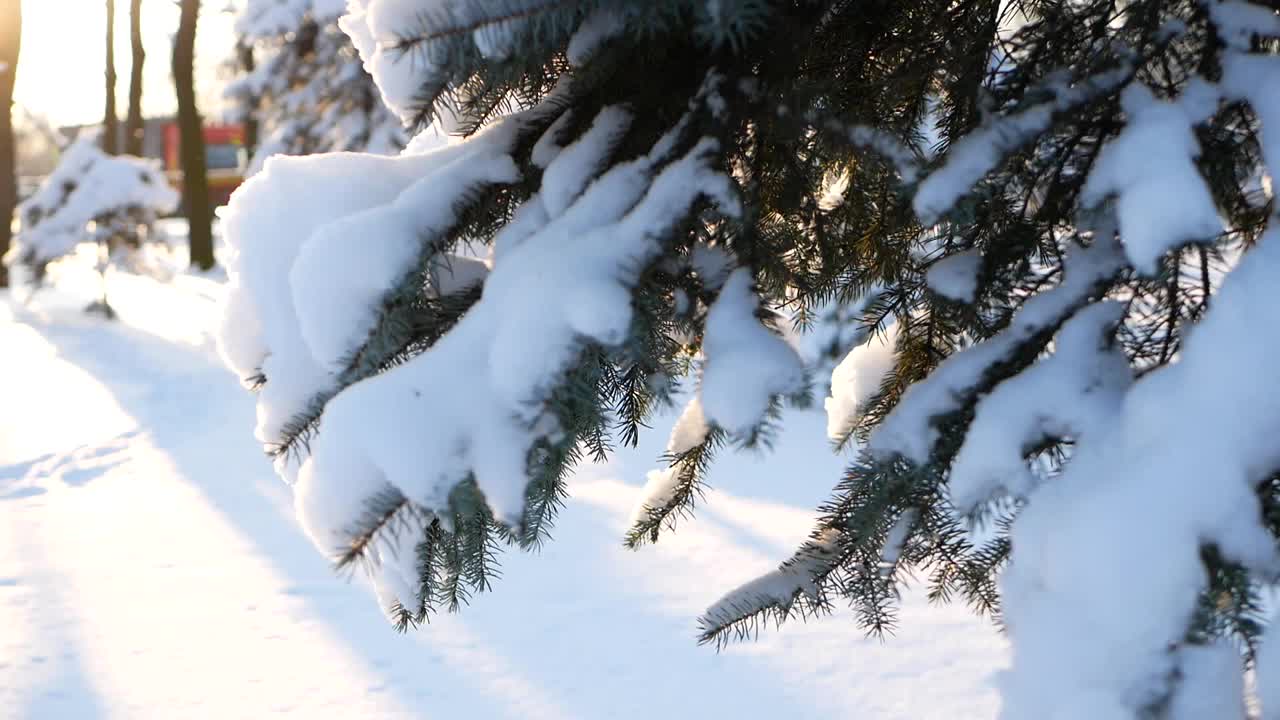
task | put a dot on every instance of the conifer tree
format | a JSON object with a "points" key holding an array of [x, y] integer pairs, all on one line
{"points": [[91, 196], [301, 85], [1051, 226]]}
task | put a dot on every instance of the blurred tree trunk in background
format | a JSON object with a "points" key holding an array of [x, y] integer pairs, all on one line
{"points": [[195, 183], [244, 52], [10, 44], [110, 124], [133, 122]]}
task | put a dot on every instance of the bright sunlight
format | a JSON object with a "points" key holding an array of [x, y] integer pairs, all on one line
{"points": [[60, 70]]}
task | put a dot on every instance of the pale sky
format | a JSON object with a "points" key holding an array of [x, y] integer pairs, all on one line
{"points": [[61, 70]]}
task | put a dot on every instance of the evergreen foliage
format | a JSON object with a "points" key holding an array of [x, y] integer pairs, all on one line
{"points": [[866, 143], [300, 83]]}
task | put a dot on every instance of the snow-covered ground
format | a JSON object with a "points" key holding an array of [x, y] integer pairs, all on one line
{"points": [[150, 566]]}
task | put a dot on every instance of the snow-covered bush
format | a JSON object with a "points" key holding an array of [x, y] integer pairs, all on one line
{"points": [[92, 197], [1068, 314], [301, 81]]}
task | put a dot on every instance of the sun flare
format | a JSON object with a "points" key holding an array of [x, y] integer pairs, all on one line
{"points": [[60, 72]]}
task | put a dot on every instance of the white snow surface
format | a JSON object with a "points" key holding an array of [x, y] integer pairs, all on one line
{"points": [[1212, 685], [955, 277], [857, 379], [384, 33], [566, 175], [495, 40], [1239, 22], [712, 263], [690, 429], [338, 284], [745, 364], [399, 74], [1150, 164], [1061, 397], [548, 145], [1267, 673], [896, 539], [150, 568], [268, 221]]}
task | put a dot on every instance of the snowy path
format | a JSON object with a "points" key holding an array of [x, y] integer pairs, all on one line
{"points": [[150, 568]]}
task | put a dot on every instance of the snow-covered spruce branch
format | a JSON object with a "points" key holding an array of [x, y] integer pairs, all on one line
{"points": [[820, 225], [650, 186], [373, 538], [978, 153], [670, 493], [388, 514], [724, 614], [407, 324], [408, 321], [442, 22], [746, 370], [394, 314], [904, 159], [495, 27], [903, 526], [916, 425], [92, 197], [426, 52], [451, 557], [1049, 594], [300, 85], [861, 380], [1061, 396], [794, 588], [907, 457], [442, 50]]}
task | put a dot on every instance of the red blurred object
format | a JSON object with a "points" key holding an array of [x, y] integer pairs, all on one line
{"points": [[225, 158]]}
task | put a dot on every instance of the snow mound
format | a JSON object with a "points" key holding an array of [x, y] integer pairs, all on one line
{"points": [[856, 380], [1151, 162], [746, 364], [955, 277]]}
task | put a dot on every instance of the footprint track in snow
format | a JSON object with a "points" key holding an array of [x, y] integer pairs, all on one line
{"points": [[73, 468]]}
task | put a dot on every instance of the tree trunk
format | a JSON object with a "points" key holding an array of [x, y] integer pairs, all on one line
{"points": [[110, 124], [10, 44], [248, 64], [195, 182], [134, 130]]}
